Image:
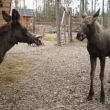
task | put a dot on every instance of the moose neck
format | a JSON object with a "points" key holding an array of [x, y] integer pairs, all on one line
{"points": [[94, 31], [6, 41], [4, 47]]}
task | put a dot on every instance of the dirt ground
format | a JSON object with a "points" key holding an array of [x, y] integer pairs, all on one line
{"points": [[50, 78]]}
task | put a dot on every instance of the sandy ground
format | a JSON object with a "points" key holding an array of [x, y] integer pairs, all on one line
{"points": [[50, 78]]}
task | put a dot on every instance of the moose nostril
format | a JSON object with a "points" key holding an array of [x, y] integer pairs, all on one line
{"points": [[78, 34], [81, 34]]}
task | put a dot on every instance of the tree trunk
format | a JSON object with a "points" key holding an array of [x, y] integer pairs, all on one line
{"points": [[80, 11], [83, 7], [16, 3], [24, 4], [44, 8], [95, 5], [58, 22], [103, 12], [36, 9], [70, 25], [108, 10], [33, 19], [92, 9]]}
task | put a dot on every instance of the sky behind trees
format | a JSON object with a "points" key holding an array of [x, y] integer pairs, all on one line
{"points": [[75, 4]]}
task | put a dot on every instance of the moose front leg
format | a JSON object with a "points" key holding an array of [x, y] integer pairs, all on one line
{"points": [[93, 61], [1, 59], [102, 66]]}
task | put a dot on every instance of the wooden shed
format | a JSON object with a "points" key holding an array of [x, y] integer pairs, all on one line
{"points": [[6, 6], [26, 16]]}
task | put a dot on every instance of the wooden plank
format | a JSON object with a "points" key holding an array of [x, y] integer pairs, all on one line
{"points": [[1, 16], [1, 20], [7, 4], [2, 23], [5, 9], [6, 1], [63, 17]]}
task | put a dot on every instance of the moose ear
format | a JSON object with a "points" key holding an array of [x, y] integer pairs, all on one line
{"points": [[6, 16], [96, 14], [83, 15], [15, 15]]}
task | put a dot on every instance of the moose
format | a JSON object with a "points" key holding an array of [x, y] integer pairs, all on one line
{"points": [[12, 32], [98, 46]]}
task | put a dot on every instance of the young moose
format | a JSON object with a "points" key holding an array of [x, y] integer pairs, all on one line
{"points": [[98, 47], [12, 33]]}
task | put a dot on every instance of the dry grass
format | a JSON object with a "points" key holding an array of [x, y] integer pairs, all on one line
{"points": [[13, 69], [49, 37]]}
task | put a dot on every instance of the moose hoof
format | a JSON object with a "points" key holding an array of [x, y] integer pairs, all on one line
{"points": [[89, 97], [108, 81], [102, 99]]}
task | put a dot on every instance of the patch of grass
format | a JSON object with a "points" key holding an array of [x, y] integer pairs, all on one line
{"points": [[49, 37], [13, 69]]}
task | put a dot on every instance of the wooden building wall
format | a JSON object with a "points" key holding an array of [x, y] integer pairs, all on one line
{"points": [[25, 21], [6, 7]]}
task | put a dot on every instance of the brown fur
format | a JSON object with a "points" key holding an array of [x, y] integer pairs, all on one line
{"points": [[98, 47]]}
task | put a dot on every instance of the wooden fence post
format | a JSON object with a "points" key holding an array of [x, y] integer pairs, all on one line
{"points": [[63, 23]]}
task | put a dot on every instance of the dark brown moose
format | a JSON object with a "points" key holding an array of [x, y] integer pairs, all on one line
{"points": [[98, 46], [12, 32]]}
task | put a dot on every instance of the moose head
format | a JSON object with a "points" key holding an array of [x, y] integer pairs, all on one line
{"points": [[13, 32], [88, 26]]}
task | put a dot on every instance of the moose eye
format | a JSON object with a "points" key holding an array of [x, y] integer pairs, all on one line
{"points": [[88, 25], [24, 30]]}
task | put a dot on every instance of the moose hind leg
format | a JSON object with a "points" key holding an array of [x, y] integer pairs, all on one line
{"points": [[93, 61], [102, 65]]}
